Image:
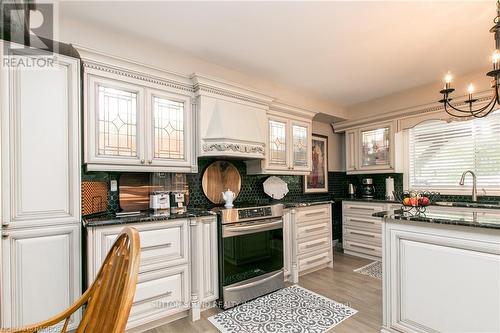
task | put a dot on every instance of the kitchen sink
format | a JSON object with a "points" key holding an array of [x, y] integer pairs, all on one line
{"points": [[482, 204]]}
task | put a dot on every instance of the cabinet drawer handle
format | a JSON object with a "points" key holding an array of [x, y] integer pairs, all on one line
{"points": [[5, 235], [142, 161], [315, 228], [363, 247], [150, 161], [362, 208], [362, 234], [313, 213], [314, 260], [5, 224], [362, 221], [314, 244]]}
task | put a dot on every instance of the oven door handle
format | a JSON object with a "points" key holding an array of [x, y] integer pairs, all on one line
{"points": [[255, 283], [230, 231]]}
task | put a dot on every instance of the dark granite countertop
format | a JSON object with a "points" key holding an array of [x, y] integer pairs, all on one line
{"points": [[103, 219], [472, 218]]}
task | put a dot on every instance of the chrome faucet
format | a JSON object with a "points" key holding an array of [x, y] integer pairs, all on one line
{"points": [[474, 183]]}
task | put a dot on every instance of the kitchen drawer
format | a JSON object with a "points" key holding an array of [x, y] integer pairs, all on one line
{"points": [[163, 244], [321, 227], [363, 236], [363, 222], [160, 293], [369, 249], [365, 209], [312, 260], [314, 244], [313, 213]]}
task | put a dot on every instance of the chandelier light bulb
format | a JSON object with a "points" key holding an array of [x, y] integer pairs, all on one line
{"points": [[495, 57], [470, 89], [448, 78]]}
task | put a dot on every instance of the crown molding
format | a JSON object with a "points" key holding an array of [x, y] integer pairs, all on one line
{"points": [[100, 61], [209, 85], [291, 110], [483, 98]]}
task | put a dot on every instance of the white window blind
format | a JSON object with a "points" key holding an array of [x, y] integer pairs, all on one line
{"points": [[439, 152]]}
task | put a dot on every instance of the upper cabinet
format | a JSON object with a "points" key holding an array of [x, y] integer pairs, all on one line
{"points": [[136, 119], [288, 147], [370, 149]]}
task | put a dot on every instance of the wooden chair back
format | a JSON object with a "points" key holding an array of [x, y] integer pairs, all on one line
{"points": [[109, 299]]}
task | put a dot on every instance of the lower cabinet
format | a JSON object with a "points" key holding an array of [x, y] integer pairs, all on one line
{"points": [[178, 267], [440, 278], [40, 274], [361, 232], [308, 240]]}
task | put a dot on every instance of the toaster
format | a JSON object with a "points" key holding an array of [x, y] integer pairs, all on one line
{"points": [[159, 200]]}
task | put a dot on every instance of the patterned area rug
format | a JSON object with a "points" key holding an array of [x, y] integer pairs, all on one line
{"points": [[293, 309], [373, 270]]}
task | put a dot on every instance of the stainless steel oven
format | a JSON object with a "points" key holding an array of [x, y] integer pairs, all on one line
{"points": [[250, 253]]}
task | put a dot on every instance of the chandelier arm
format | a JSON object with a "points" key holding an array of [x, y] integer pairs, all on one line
{"points": [[476, 113], [472, 112]]}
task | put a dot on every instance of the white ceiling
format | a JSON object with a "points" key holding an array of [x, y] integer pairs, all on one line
{"points": [[346, 52]]}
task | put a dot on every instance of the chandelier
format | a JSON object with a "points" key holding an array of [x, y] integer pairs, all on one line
{"points": [[483, 111]]}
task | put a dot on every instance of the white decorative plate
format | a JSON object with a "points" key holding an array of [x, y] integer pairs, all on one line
{"points": [[275, 187]]}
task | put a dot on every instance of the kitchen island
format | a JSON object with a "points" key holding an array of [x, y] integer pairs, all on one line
{"points": [[441, 271]]}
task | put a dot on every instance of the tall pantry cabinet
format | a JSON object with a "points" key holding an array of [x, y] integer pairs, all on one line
{"points": [[40, 190]]}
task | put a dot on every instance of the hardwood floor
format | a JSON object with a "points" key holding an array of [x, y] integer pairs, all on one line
{"points": [[341, 284]]}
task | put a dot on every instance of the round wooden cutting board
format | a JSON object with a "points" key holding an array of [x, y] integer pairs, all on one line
{"points": [[217, 178]]}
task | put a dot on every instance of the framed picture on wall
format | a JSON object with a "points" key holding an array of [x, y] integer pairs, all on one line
{"points": [[317, 180]]}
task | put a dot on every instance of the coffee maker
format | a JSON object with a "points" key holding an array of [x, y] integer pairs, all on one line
{"points": [[367, 189], [178, 202]]}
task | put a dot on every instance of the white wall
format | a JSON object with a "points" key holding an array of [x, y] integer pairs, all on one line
{"points": [[151, 53], [418, 96], [336, 160]]}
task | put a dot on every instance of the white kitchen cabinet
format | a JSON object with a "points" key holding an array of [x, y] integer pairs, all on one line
{"points": [[163, 270], [204, 264], [312, 247], [41, 273], [370, 149], [40, 190], [40, 145], [287, 243], [440, 278], [361, 232], [136, 122], [289, 147]]}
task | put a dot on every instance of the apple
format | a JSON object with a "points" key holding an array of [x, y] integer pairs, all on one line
{"points": [[414, 202], [424, 201]]}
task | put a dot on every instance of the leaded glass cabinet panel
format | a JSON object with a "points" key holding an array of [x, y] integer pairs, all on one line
{"points": [[169, 118], [301, 138], [114, 122], [278, 145]]}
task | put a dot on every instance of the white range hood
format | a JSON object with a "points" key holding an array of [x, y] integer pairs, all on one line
{"points": [[232, 120]]}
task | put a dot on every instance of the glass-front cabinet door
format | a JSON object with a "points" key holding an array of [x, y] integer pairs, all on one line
{"points": [[168, 117], [300, 146], [376, 147], [278, 144], [117, 119]]}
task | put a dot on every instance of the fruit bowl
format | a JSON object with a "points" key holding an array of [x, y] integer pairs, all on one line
{"points": [[416, 201]]}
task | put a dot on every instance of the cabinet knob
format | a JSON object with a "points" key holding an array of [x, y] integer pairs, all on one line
{"points": [[150, 161], [142, 161], [5, 235]]}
